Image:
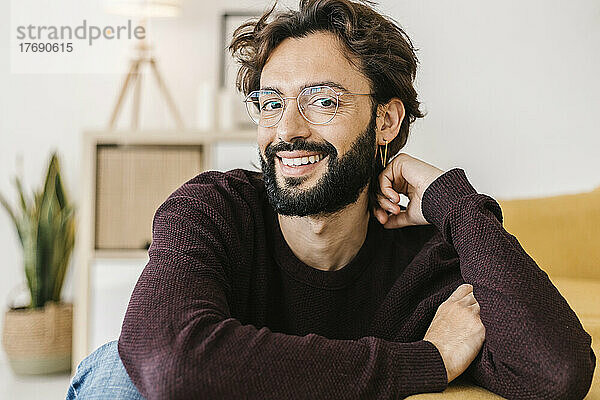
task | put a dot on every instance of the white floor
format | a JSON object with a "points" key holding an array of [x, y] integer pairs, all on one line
{"points": [[14, 387]]}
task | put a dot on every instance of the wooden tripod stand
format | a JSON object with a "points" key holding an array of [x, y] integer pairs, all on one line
{"points": [[133, 79]]}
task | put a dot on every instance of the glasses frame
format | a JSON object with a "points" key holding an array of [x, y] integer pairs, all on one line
{"points": [[297, 98]]}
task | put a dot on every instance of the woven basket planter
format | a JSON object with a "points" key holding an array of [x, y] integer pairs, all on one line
{"points": [[38, 341]]}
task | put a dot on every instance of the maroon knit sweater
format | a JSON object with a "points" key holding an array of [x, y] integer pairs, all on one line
{"points": [[225, 310]]}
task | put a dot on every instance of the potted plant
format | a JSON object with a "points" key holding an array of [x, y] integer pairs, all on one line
{"points": [[37, 338]]}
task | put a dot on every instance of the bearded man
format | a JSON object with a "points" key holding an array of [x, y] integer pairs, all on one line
{"points": [[309, 280]]}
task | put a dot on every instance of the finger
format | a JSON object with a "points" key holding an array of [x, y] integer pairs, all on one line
{"points": [[380, 214], [376, 214], [386, 182], [469, 299], [388, 204], [461, 291], [399, 220], [475, 307]]}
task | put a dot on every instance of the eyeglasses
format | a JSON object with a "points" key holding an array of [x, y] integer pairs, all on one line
{"points": [[317, 104]]}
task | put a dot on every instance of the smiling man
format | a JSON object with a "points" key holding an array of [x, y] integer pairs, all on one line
{"points": [[308, 280]]}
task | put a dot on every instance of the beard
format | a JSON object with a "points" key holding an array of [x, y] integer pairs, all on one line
{"points": [[342, 183]]}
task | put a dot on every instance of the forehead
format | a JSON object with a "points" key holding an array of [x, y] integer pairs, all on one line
{"points": [[318, 57]]}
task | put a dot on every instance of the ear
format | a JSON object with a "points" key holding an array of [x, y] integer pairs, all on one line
{"points": [[389, 120]]}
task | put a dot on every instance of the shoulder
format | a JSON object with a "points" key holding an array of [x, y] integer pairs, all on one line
{"points": [[218, 189], [221, 208], [210, 184], [425, 242], [222, 196]]}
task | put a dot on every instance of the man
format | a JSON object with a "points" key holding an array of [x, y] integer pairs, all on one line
{"points": [[309, 280]]}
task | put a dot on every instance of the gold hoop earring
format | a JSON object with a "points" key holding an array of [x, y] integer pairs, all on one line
{"points": [[383, 157]]}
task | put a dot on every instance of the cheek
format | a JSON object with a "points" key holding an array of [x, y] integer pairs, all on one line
{"points": [[340, 137], [263, 139]]}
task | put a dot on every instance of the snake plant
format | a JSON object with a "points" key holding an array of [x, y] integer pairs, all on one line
{"points": [[46, 228]]}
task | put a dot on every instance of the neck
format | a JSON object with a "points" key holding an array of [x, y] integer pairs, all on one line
{"points": [[328, 242]]}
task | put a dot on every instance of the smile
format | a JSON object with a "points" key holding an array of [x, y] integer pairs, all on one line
{"points": [[299, 166], [302, 160]]}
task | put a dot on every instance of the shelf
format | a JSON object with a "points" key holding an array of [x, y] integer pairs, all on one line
{"points": [[119, 254], [171, 137]]}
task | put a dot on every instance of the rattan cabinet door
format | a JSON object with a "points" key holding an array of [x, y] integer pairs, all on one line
{"points": [[131, 183]]}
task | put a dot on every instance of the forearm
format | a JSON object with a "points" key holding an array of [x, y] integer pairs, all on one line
{"points": [[535, 345], [259, 364], [197, 350]]}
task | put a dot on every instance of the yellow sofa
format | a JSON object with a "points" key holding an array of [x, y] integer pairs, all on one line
{"points": [[562, 234]]}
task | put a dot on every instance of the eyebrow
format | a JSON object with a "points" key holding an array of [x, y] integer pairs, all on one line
{"points": [[324, 83]]}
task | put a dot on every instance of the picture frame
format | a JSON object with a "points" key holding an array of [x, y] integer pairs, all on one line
{"points": [[230, 21]]}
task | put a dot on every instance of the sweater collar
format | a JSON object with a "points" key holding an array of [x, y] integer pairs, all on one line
{"points": [[293, 266]]}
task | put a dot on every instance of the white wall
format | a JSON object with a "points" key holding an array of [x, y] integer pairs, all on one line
{"points": [[511, 89]]}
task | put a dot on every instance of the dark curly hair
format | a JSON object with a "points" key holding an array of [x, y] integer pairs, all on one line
{"points": [[385, 52]]}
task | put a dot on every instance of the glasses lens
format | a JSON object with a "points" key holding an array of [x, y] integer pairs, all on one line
{"points": [[264, 107], [318, 104], [253, 107]]}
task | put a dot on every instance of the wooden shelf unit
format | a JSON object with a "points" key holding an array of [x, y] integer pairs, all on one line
{"points": [[86, 250]]}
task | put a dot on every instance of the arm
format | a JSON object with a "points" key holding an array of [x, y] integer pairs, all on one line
{"points": [[535, 346], [179, 339]]}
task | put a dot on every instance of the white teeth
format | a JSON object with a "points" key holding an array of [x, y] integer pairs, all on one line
{"points": [[302, 160]]}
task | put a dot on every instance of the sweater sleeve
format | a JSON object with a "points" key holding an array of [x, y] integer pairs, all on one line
{"points": [[535, 346], [179, 339]]}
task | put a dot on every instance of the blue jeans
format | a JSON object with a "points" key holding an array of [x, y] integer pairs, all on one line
{"points": [[101, 375]]}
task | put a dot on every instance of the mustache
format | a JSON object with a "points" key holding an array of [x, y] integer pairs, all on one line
{"points": [[300, 145]]}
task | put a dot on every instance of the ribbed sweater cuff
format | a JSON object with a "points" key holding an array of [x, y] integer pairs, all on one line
{"points": [[421, 368], [441, 195]]}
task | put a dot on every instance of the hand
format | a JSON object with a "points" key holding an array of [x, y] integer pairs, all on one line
{"points": [[409, 176], [457, 331]]}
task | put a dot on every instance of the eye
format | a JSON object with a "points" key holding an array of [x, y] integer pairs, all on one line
{"points": [[271, 105], [324, 102]]}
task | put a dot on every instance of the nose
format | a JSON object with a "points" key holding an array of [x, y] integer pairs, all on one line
{"points": [[292, 124]]}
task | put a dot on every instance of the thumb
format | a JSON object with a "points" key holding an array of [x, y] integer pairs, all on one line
{"points": [[399, 220], [461, 291]]}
